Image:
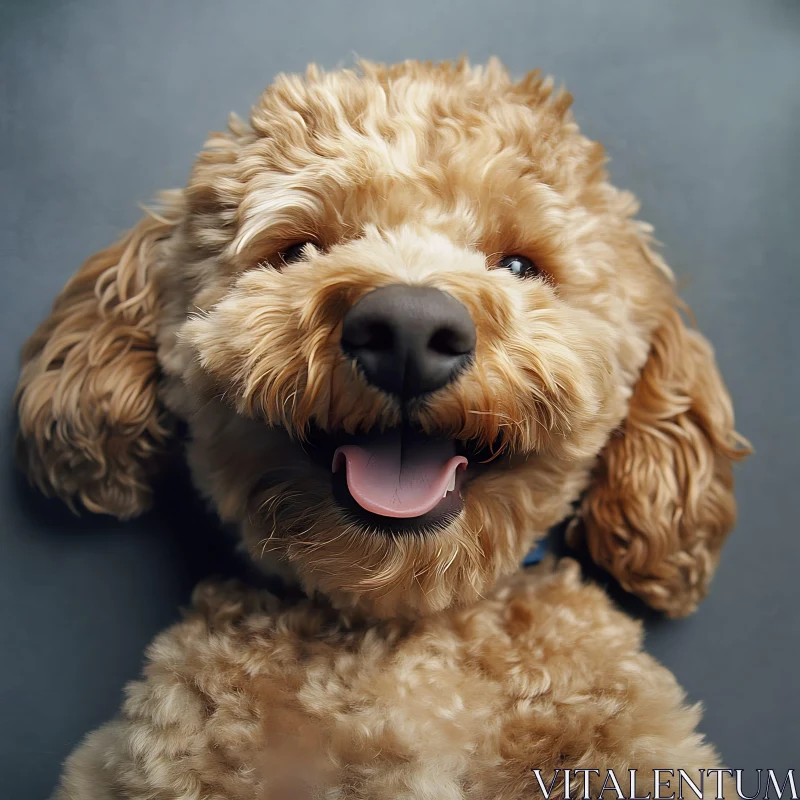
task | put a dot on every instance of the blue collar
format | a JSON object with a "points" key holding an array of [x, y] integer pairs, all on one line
{"points": [[535, 554]]}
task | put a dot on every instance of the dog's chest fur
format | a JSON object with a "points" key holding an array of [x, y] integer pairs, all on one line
{"points": [[247, 700]]}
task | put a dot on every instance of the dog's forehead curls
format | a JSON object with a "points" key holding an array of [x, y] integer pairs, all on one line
{"points": [[409, 322]]}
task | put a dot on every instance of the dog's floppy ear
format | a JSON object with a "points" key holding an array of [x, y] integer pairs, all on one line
{"points": [[662, 503], [91, 427]]}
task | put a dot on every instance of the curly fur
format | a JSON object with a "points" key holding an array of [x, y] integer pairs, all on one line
{"points": [[661, 505], [90, 420], [247, 699], [431, 673]]}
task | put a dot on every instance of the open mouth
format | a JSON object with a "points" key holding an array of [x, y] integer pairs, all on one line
{"points": [[398, 480]]}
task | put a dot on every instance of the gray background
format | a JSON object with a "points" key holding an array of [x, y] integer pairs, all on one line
{"points": [[105, 101]]}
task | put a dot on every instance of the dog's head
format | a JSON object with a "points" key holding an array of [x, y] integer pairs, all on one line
{"points": [[408, 322]]}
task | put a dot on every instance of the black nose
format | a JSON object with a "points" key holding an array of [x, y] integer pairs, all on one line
{"points": [[409, 340]]}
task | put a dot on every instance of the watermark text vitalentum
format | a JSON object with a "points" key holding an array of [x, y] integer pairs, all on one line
{"points": [[668, 784]]}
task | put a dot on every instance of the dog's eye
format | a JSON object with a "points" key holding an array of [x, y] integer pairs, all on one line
{"points": [[295, 253], [518, 265]]}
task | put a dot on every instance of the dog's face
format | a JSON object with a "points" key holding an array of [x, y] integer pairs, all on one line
{"points": [[416, 335], [402, 312]]}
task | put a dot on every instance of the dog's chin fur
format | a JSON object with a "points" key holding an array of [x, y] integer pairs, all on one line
{"points": [[268, 479], [586, 384]]}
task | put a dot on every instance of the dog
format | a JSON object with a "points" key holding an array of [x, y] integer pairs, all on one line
{"points": [[408, 324]]}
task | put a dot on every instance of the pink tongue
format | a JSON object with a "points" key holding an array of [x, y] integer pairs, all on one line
{"points": [[398, 476]]}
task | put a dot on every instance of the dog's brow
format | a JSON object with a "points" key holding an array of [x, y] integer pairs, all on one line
{"points": [[278, 201]]}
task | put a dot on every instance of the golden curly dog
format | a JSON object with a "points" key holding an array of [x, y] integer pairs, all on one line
{"points": [[408, 323]]}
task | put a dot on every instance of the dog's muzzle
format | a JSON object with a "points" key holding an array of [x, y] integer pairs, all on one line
{"points": [[407, 341]]}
